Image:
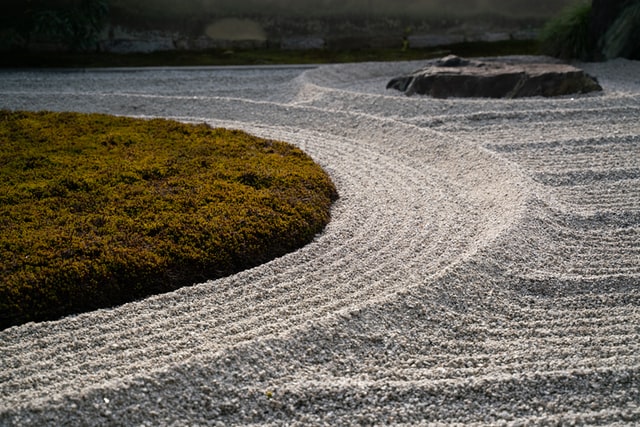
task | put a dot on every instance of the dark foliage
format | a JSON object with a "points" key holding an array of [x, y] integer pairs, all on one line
{"points": [[602, 29], [71, 24]]}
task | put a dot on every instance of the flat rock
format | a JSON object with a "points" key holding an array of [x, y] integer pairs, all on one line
{"points": [[453, 76]]}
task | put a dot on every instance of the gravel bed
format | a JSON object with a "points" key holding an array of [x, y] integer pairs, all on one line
{"points": [[482, 265]]}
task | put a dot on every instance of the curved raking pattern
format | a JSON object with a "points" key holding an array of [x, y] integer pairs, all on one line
{"points": [[482, 266]]}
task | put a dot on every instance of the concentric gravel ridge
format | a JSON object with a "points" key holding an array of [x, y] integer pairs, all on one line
{"points": [[482, 265]]}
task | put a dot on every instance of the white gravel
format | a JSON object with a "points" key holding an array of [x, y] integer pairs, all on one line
{"points": [[482, 265]]}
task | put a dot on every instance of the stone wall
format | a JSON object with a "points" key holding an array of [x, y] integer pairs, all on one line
{"points": [[333, 33]]}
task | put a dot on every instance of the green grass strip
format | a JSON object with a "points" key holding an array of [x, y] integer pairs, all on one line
{"points": [[263, 56]]}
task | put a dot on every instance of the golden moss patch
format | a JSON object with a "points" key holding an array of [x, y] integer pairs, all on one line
{"points": [[97, 210]]}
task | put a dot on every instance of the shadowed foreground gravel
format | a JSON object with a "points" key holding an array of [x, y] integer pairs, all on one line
{"points": [[482, 265]]}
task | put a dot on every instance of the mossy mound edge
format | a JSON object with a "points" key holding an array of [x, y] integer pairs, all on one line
{"points": [[98, 210]]}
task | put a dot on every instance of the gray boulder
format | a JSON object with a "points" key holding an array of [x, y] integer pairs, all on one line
{"points": [[457, 77]]}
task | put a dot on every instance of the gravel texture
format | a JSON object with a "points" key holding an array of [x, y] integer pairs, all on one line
{"points": [[482, 265]]}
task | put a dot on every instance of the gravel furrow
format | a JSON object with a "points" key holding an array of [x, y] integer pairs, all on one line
{"points": [[482, 265]]}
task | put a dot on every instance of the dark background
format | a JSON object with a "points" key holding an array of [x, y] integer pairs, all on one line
{"points": [[147, 25]]}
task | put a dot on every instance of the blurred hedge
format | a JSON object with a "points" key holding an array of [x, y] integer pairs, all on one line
{"points": [[594, 30]]}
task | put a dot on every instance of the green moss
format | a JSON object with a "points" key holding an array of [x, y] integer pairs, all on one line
{"points": [[97, 210]]}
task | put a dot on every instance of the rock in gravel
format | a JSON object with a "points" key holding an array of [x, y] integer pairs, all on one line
{"points": [[453, 76]]}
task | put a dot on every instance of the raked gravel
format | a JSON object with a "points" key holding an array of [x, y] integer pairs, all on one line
{"points": [[482, 265]]}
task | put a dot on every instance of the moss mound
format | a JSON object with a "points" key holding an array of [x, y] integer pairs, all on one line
{"points": [[97, 210]]}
